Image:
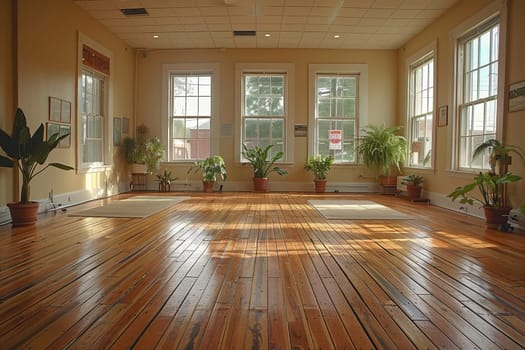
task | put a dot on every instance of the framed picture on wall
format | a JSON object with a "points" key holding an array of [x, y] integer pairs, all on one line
{"points": [[517, 96], [52, 128], [54, 109], [65, 142], [443, 116], [125, 126], [65, 111], [117, 131]]}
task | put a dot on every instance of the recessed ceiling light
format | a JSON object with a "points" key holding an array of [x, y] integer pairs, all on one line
{"points": [[337, 36], [267, 35], [155, 36]]}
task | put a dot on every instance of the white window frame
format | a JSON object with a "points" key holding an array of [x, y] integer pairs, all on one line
{"points": [[107, 109], [213, 69], [497, 8], [362, 98], [266, 68], [423, 55]]}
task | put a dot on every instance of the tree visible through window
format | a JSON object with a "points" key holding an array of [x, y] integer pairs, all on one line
{"points": [[336, 113], [420, 111], [190, 116], [477, 101], [263, 111]]}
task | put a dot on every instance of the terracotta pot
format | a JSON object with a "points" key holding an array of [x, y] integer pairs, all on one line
{"points": [[260, 184], [23, 214], [496, 216], [320, 186], [208, 186], [413, 191], [388, 180]]}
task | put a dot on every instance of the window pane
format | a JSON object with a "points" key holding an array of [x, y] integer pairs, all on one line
{"points": [[323, 107], [179, 86], [484, 82], [204, 106], [178, 127], [179, 106], [484, 49], [278, 129], [264, 128], [250, 128], [205, 86]]}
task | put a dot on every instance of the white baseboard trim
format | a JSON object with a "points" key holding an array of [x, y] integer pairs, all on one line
{"points": [[443, 201], [69, 199]]}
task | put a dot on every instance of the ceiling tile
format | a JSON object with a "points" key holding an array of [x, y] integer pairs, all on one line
{"points": [[292, 23]]}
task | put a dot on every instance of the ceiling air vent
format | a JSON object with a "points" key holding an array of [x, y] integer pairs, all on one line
{"points": [[244, 33], [139, 11]]}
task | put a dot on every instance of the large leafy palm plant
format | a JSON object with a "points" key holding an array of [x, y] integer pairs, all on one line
{"points": [[27, 152]]}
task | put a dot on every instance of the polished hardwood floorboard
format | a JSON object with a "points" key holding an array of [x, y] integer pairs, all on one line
{"points": [[261, 271]]}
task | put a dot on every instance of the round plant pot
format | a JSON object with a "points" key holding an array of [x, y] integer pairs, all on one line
{"points": [[496, 216], [23, 214], [388, 180], [260, 184], [208, 186], [413, 191], [320, 186]]}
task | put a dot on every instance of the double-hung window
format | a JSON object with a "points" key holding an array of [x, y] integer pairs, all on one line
{"points": [[190, 117], [336, 115], [264, 110], [338, 106], [92, 120], [478, 60], [94, 109], [421, 111]]}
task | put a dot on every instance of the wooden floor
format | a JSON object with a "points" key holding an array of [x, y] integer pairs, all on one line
{"points": [[262, 271]]}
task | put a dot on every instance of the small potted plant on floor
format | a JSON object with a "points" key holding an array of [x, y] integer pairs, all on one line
{"points": [[382, 150], [262, 164], [320, 165], [165, 179], [414, 184], [27, 152], [213, 170]]}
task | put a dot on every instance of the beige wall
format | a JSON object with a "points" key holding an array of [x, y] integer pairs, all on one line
{"points": [[47, 66], [441, 181], [6, 88], [382, 70]]}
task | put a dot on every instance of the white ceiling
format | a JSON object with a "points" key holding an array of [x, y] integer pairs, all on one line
{"points": [[361, 24]]}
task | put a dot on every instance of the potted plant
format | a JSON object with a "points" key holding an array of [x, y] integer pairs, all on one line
{"points": [[213, 169], [320, 165], [491, 196], [499, 155], [262, 165], [27, 152], [165, 179], [414, 185], [381, 149], [153, 153]]}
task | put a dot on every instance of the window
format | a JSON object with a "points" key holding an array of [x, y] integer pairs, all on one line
{"points": [[190, 111], [478, 63], [338, 105], [263, 110], [336, 114], [190, 116], [420, 111], [92, 121], [94, 108]]}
